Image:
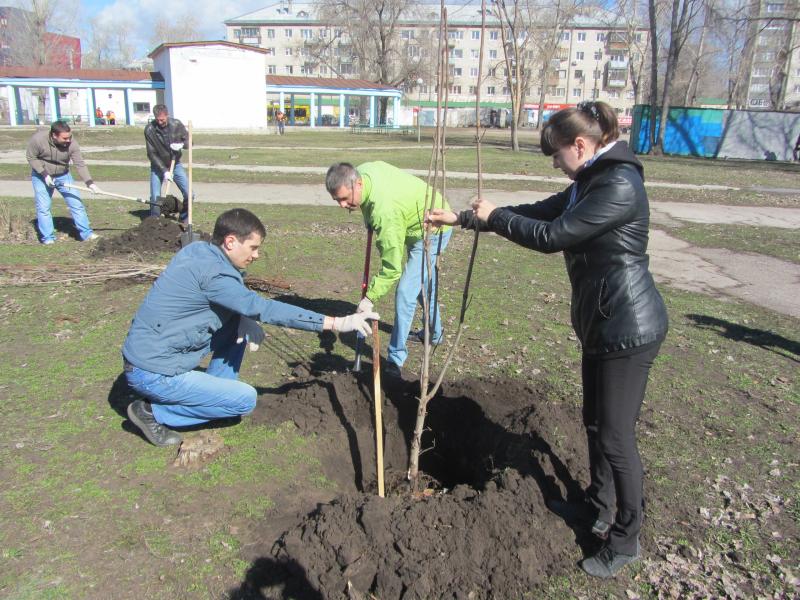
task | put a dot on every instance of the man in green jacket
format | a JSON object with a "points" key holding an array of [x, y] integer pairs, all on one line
{"points": [[393, 205]]}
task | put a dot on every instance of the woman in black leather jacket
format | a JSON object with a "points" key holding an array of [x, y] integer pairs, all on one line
{"points": [[600, 223]]}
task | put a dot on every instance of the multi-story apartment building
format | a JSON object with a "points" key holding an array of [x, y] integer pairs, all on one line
{"points": [[592, 61], [774, 73], [17, 49]]}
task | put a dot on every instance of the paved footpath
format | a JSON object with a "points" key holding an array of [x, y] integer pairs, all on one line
{"points": [[755, 278]]}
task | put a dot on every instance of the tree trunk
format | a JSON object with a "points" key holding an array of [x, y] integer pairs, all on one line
{"points": [[653, 74]]}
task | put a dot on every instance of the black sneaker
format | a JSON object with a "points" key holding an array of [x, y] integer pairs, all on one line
{"points": [[418, 337], [392, 370], [581, 513], [607, 562], [141, 415]]}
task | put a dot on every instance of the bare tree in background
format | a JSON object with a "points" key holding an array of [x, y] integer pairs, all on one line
{"points": [[365, 41], [110, 46], [34, 34], [683, 19], [167, 29], [553, 18], [625, 27], [516, 25]]}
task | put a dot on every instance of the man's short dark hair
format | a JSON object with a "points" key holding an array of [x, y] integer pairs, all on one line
{"points": [[238, 222], [57, 127], [160, 109]]}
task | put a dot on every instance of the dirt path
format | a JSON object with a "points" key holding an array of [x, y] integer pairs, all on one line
{"points": [[761, 280]]}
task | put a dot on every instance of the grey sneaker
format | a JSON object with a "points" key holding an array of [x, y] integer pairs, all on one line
{"points": [[607, 562], [92, 237], [141, 415]]}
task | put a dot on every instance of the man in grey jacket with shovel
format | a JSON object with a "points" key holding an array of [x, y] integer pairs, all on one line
{"points": [[49, 154], [165, 137]]}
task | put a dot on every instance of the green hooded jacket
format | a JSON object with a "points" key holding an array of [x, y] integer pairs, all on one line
{"points": [[393, 204]]}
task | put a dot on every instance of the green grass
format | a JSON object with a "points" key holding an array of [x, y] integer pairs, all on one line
{"points": [[770, 241], [85, 499]]}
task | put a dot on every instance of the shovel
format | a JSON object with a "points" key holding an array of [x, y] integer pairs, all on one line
{"points": [[122, 196], [168, 202], [188, 236]]}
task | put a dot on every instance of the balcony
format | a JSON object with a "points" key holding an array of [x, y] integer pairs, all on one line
{"points": [[618, 64]]}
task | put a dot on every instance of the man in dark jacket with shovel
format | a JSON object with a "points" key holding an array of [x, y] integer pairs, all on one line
{"points": [[165, 137]]}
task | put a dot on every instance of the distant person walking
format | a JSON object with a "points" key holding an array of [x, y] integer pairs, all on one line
{"points": [[164, 138], [796, 150], [280, 119], [49, 155]]}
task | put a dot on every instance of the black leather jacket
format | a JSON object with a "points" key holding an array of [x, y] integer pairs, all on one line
{"points": [[158, 140], [615, 303]]}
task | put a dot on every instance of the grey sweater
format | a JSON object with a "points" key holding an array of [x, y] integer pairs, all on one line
{"points": [[46, 158]]}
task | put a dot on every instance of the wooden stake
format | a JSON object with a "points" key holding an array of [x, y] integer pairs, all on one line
{"points": [[376, 392], [189, 192]]}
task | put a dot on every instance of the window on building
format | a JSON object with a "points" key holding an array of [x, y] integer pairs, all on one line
{"points": [[456, 53], [306, 70], [472, 90], [565, 36], [407, 34], [287, 33], [490, 90], [506, 90], [562, 73], [455, 71], [455, 89], [492, 73], [306, 34], [270, 51], [579, 56], [474, 53], [287, 51], [581, 36], [455, 34], [617, 57], [601, 37], [141, 107], [323, 70], [578, 73], [473, 71], [323, 33], [288, 69], [346, 68], [797, 89], [630, 95], [775, 7], [305, 51], [576, 92], [759, 87], [249, 32], [613, 94], [272, 69], [598, 55], [494, 35], [638, 38], [270, 34], [412, 50], [492, 54], [560, 92], [475, 34]]}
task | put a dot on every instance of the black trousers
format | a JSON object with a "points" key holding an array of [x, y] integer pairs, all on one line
{"points": [[613, 391]]}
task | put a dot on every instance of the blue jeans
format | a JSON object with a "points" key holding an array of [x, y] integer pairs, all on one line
{"points": [[407, 296], [195, 397], [43, 196], [157, 179]]}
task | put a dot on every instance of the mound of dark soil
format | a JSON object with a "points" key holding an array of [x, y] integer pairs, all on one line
{"points": [[481, 530], [152, 236]]}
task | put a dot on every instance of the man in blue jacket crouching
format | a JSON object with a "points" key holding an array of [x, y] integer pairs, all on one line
{"points": [[200, 305]]}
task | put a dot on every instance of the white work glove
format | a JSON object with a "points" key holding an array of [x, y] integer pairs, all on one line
{"points": [[365, 305], [94, 188], [176, 146], [357, 322], [251, 331], [168, 175], [49, 181]]}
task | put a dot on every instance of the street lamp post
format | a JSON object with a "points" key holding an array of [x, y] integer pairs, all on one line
{"points": [[419, 108]]}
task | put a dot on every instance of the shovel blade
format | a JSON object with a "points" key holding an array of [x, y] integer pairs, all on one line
{"points": [[188, 236]]}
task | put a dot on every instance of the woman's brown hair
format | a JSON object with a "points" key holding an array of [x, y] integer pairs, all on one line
{"points": [[593, 120]]}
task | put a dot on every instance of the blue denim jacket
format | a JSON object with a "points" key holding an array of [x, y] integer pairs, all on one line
{"points": [[198, 292]]}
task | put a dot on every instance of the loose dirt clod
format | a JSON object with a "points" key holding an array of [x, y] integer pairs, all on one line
{"points": [[151, 236], [494, 451], [197, 449]]}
